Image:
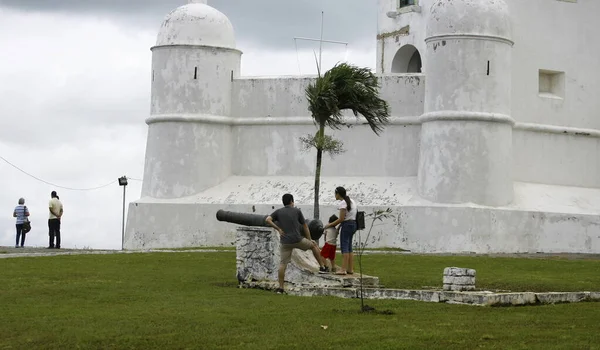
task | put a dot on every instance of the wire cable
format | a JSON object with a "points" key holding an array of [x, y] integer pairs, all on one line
{"points": [[58, 186], [297, 56]]}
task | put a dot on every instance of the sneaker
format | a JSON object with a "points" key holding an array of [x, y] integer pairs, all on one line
{"points": [[323, 269], [280, 291]]}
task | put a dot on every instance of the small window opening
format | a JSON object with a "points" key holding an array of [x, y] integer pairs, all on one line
{"points": [[195, 72], [404, 3], [488, 68], [551, 84]]}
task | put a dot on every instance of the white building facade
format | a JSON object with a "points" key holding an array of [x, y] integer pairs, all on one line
{"points": [[494, 144]]}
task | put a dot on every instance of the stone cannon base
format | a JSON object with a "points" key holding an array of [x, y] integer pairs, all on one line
{"points": [[257, 260]]}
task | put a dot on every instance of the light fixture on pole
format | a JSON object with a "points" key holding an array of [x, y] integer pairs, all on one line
{"points": [[123, 182]]}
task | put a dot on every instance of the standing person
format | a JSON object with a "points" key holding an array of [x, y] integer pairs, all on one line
{"points": [[21, 213], [328, 250], [347, 219], [56, 212], [291, 220]]}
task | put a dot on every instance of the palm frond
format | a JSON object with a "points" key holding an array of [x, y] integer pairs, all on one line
{"points": [[347, 87]]}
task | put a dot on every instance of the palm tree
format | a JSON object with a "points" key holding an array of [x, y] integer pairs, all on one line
{"points": [[343, 87]]}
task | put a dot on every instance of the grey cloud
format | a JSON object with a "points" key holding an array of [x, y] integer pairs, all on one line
{"points": [[266, 23]]}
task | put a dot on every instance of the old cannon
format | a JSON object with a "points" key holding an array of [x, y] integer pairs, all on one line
{"points": [[256, 220]]}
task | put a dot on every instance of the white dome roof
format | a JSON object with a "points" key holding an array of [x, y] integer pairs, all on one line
{"points": [[196, 24], [483, 17]]}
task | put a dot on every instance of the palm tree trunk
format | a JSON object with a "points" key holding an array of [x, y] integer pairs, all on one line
{"points": [[321, 134]]}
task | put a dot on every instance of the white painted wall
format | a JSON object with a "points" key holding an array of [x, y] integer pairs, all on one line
{"points": [[542, 218], [556, 158], [548, 34], [273, 115], [286, 97], [466, 162], [174, 89], [561, 36], [185, 158]]}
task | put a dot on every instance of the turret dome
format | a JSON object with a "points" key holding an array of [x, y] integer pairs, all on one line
{"points": [[196, 24]]}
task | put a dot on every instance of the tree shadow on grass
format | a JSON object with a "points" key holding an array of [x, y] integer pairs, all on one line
{"points": [[366, 310]]}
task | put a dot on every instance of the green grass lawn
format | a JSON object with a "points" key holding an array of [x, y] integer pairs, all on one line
{"points": [[189, 301]]}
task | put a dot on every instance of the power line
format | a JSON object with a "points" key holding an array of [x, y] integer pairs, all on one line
{"points": [[58, 186]]}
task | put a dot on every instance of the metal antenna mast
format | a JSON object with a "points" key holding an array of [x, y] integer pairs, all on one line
{"points": [[321, 41]]}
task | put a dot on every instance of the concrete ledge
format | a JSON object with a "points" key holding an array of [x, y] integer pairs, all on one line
{"points": [[566, 297], [399, 294], [435, 296], [467, 116]]}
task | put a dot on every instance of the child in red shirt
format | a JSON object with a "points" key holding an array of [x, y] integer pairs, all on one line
{"points": [[328, 250]]}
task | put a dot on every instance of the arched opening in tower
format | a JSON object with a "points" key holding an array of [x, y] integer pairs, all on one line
{"points": [[407, 60]]}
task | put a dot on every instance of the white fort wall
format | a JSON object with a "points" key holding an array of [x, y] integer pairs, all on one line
{"points": [[541, 218], [556, 156], [223, 142]]}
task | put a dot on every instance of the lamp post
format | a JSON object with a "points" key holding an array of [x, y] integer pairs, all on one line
{"points": [[123, 182]]}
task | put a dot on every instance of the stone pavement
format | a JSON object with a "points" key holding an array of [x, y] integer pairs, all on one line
{"points": [[12, 252]]}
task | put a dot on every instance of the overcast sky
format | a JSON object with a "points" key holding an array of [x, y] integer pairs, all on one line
{"points": [[74, 94]]}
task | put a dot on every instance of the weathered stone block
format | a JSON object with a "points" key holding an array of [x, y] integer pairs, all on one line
{"points": [[462, 298], [595, 296], [315, 291], [400, 294], [459, 279], [459, 287], [459, 271], [511, 299], [560, 297], [257, 254], [462, 280]]}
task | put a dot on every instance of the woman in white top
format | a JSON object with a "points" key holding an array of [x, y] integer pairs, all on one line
{"points": [[21, 213], [347, 219]]}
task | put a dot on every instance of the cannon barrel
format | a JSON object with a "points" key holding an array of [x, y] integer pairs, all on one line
{"points": [[242, 218], [315, 227]]}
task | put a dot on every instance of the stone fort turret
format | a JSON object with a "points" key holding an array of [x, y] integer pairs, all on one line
{"points": [[466, 130], [194, 63]]}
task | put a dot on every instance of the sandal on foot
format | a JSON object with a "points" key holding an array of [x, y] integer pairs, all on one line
{"points": [[341, 273]]}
